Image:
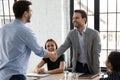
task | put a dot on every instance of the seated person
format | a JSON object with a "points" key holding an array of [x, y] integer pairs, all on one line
{"points": [[53, 67], [113, 66]]}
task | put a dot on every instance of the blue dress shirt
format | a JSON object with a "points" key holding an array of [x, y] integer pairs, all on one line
{"points": [[16, 43]]}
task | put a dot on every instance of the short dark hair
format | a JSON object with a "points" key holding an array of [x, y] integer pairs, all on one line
{"points": [[19, 7], [114, 59], [51, 41], [83, 14]]}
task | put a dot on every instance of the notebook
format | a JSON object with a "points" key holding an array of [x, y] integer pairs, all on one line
{"points": [[88, 76]]}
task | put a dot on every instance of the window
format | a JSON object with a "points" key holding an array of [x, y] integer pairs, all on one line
{"points": [[6, 14], [109, 27]]}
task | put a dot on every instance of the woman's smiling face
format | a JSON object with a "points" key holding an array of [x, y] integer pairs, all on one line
{"points": [[50, 46]]}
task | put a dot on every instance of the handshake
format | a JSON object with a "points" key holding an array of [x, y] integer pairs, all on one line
{"points": [[52, 55]]}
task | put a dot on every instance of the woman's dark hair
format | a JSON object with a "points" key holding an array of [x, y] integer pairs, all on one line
{"points": [[51, 40], [114, 59], [83, 14], [20, 7]]}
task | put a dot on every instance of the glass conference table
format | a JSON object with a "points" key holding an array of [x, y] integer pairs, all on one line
{"points": [[64, 76]]}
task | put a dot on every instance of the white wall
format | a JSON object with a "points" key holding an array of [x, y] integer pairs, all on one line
{"points": [[50, 19]]}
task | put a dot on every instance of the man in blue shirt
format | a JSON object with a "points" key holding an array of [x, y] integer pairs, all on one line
{"points": [[16, 43]]}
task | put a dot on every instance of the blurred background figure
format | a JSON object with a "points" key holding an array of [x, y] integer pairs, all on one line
{"points": [[113, 66]]}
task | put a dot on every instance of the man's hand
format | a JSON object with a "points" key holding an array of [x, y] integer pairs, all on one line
{"points": [[52, 55]]}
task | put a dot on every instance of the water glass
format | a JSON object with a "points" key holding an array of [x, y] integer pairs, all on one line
{"points": [[65, 75], [75, 76]]}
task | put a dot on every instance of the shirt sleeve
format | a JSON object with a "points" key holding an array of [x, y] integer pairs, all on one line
{"points": [[31, 42], [45, 59]]}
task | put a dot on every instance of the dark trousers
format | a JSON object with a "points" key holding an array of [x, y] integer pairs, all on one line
{"points": [[82, 68], [18, 77]]}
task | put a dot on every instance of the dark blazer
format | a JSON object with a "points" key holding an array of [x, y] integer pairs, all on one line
{"points": [[112, 76], [92, 48]]}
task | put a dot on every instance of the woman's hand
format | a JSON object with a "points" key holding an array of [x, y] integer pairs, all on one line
{"points": [[39, 70]]}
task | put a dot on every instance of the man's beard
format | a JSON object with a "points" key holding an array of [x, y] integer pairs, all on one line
{"points": [[28, 19], [78, 26]]}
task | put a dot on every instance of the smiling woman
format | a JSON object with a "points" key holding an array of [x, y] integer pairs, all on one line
{"points": [[53, 67], [46, 25]]}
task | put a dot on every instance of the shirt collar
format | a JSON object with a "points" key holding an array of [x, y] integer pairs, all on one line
{"points": [[84, 30], [18, 21]]}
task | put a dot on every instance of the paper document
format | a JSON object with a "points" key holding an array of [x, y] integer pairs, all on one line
{"points": [[36, 75]]}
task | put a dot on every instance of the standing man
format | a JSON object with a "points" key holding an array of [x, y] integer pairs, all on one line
{"points": [[16, 43], [85, 43]]}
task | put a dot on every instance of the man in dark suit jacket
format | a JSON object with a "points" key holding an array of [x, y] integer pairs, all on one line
{"points": [[85, 43]]}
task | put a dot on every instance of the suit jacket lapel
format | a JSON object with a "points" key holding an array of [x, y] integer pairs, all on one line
{"points": [[77, 44], [86, 41]]}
